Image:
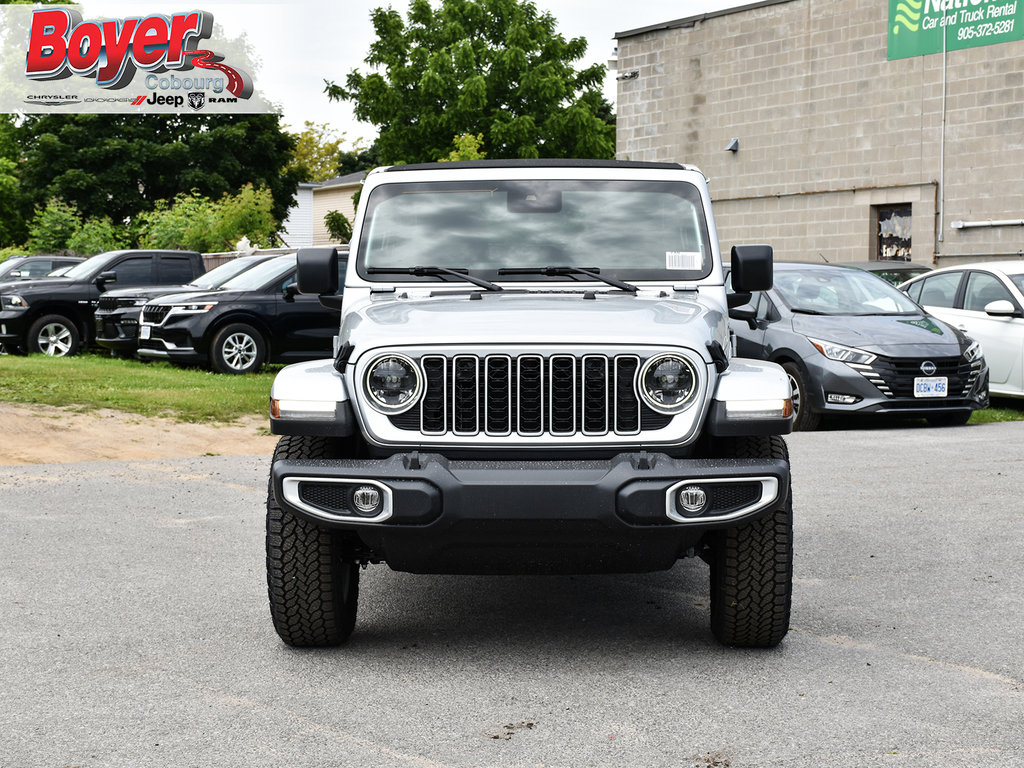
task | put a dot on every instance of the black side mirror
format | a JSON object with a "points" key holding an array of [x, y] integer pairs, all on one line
{"points": [[290, 292], [751, 268], [318, 270], [103, 278]]}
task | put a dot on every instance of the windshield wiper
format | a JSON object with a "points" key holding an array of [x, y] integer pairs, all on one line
{"points": [[462, 274], [801, 311], [591, 272]]}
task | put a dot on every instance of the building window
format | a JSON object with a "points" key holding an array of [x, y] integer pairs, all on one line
{"points": [[892, 232]]}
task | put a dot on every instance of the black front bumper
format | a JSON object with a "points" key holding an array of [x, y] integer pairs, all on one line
{"points": [[444, 516], [118, 331]]}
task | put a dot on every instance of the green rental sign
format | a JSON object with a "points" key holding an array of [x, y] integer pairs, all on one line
{"points": [[917, 27]]}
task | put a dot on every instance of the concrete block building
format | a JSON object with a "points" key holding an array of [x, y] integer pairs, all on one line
{"points": [[819, 140]]}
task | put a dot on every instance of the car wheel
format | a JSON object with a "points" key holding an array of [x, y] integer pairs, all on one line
{"points": [[313, 588], [804, 419], [238, 348], [54, 335], [949, 419], [752, 565]]}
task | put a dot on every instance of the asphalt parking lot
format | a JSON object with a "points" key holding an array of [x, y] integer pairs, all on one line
{"points": [[136, 633]]}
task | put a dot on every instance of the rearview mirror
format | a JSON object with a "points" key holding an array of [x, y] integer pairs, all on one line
{"points": [[103, 278]]}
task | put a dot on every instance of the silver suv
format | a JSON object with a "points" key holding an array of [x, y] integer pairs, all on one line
{"points": [[533, 374]]}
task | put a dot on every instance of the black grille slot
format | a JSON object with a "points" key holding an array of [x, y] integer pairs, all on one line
{"points": [[531, 395], [434, 421], [595, 395], [465, 401], [107, 303], [332, 497], [499, 395], [563, 395], [627, 405]]}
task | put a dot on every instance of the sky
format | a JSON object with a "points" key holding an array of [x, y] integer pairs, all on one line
{"points": [[304, 42]]}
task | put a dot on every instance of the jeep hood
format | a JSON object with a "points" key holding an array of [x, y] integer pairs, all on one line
{"points": [[563, 319]]}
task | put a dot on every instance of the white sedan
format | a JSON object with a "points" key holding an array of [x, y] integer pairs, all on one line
{"points": [[985, 301]]}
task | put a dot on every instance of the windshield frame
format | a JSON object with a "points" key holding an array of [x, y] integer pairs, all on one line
{"points": [[262, 275], [686, 190]]}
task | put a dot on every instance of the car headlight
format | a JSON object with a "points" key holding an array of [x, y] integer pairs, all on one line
{"points": [[393, 384], [193, 309], [842, 354], [11, 301], [973, 352], [667, 383]]}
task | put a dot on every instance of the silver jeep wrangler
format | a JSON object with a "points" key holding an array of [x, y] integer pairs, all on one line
{"points": [[533, 374]]}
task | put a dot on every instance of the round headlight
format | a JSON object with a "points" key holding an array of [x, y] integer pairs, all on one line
{"points": [[393, 384], [667, 383]]}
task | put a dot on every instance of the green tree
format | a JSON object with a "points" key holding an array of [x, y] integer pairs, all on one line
{"points": [[359, 160], [492, 67], [14, 207], [118, 166], [316, 153], [197, 223], [53, 226], [97, 236], [338, 226], [467, 147]]}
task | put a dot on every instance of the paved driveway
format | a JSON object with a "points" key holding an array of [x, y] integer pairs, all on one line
{"points": [[135, 632]]}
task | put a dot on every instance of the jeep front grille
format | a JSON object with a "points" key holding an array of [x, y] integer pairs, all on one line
{"points": [[530, 395]]}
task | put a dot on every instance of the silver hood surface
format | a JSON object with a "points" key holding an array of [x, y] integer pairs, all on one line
{"points": [[536, 318]]}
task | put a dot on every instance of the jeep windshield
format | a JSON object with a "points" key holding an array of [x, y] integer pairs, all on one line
{"points": [[629, 230]]}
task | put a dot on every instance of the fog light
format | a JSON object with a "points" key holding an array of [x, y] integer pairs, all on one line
{"points": [[692, 500], [836, 398], [367, 500]]}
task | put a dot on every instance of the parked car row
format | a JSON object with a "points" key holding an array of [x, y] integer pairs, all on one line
{"points": [[234, 318]]}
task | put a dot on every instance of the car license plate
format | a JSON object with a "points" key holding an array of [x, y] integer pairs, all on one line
{"points": [[930, 386], [144, 332]]}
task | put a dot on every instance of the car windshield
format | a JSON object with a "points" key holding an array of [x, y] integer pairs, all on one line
{"points": [[630, 230], [840, 292], [257, 277], [219, 275], [91, 266]]}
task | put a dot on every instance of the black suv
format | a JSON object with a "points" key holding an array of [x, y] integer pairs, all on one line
{"points": [[117, 316], [54, 315], [254, 318]]}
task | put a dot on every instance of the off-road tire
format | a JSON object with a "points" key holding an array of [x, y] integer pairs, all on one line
{"points": [[313, 590], [752, 565], [238, 348], [54, 335], [805, 420]]}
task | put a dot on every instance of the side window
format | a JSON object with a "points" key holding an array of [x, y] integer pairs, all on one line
{"points": [[937, 291], [175, 270], [982, 289], [37, 269], [137, 271]]}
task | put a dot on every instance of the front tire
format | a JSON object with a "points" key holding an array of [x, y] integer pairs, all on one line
{"points": [[54, 335], [805, 420], [752, 565], [313, 588], [238, 348]]}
